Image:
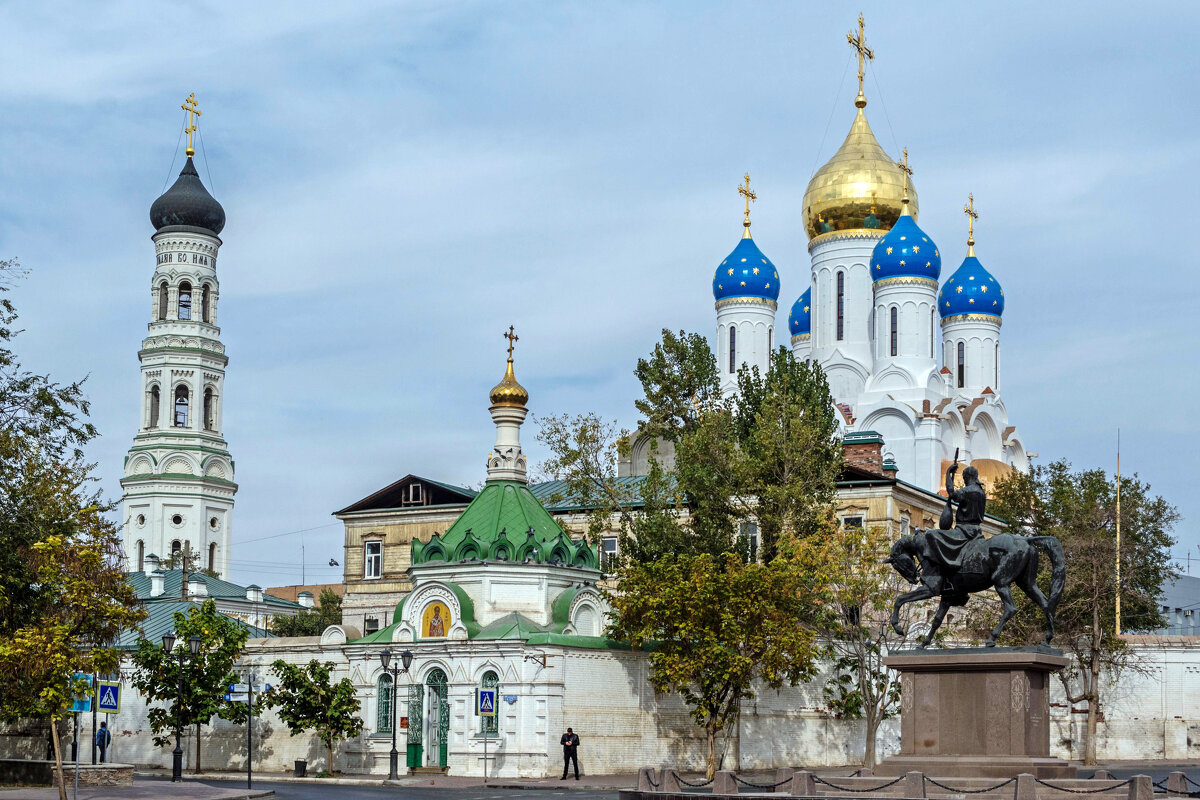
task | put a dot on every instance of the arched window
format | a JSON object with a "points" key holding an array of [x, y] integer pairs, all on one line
{"points": [[163, 295], [770, 341], [212, 556], [962, 365], [490, 726], [931, 333], [141, 556], [176, 546], [155, 399], [996, 369], [732, 349], [895, 330], [181, 407], [205, 308], [383, 708], [185, 300], [208, 409], [841, 305]]}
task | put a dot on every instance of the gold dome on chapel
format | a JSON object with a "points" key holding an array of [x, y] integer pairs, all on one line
{"points": [[508, 392], [860, 188]]}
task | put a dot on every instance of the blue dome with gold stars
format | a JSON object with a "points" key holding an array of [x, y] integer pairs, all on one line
{"points": [[800, 320], [905, 252], [971, 290], [746, 273]]}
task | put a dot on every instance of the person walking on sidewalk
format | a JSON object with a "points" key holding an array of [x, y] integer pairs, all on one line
{"points": [[103, 739], [570, 746]]}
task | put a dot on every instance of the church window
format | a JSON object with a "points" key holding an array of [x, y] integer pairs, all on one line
{"points": [[205, 309], [931, 334], [770, 341], [141, 555], [154, 403], [489, 726], [962, 365], [895, 330], [996, 369], [370, 624], [163, 293], [748, 532], [209, 422], [608, 554], [185, 300], [383, 707], [732, 349], [212, 556], [181, 407], [373, 564], [176, 545], [177, 519], [841, 305]]}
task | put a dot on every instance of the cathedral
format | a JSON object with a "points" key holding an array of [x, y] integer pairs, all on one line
{"points": [[872, 313]]}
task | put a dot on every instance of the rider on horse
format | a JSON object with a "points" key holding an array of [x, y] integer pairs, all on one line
{"points": [[946, 546]]}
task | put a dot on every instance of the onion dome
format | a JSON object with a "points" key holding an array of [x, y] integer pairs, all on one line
{"points": [[746, 272], [906, 252], [508, 392], [188, 203], [861, 187], [800, 320], [971, 290]]}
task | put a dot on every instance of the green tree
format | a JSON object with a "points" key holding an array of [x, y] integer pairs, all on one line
{"points": [[1080, 509], [314, 622], [308, 699], [205, 678]]}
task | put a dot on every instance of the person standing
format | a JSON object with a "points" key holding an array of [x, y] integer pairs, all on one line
{"points": [[570, 746], [103, 739]]}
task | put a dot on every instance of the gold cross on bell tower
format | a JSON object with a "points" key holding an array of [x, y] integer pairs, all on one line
{"points": [[859, 43], [972, 215], [744, 191], [193, 111], [511, 335], [905, 170]]}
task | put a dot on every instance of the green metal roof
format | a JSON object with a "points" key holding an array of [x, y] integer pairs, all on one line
{"points": [[511, 626], [160, 619], [218, 589], [558, 495]]}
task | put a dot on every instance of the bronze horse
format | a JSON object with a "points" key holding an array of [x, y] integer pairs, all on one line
{"points": [[998, 563]]}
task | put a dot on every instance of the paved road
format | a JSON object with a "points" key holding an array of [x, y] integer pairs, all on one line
{"points": [[314, 791]]}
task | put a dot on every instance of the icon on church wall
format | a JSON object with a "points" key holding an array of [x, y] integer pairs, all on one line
{"points": [[435, 620]]}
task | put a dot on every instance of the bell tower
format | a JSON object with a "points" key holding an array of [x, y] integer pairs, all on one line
{"points": [[178, 479]]}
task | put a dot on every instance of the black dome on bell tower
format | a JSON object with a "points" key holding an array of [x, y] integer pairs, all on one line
{"points": [[188, 203]]}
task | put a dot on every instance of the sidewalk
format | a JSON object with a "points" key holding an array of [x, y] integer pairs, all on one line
{"points": [[141, 790], [590, 782]]}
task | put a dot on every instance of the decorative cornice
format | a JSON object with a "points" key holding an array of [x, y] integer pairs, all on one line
{"points": [[747, 301], [990, 319], [907, 280], [852, 233], [801, 337]]}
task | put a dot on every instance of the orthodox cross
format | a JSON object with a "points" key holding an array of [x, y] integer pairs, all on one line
{"points": [[512, 337], [906, 170], [859, 43], [193, 111], [745, 192], [972, 215]]}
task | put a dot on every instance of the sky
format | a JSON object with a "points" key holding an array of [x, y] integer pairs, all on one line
{"points": [[403, 181]]}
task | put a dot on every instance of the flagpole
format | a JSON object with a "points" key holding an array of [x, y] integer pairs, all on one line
{"points": [[1118, 531]]}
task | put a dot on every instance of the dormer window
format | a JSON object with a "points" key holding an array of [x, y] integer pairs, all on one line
{"points": [[414, 495]]}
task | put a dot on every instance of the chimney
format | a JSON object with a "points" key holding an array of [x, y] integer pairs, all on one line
{"points": [[254, 593], [157, 578], [196, 587], [150, 563], [864, 450], [305, 599]]}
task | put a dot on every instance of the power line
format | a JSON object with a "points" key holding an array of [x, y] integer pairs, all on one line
{"points": [[289, 533]]}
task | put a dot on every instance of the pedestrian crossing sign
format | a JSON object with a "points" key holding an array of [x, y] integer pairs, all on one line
{"points": [[108, 697], [485, 702]]}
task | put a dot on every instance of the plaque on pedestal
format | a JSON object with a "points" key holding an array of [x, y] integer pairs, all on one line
{"points": [[976, 712]]}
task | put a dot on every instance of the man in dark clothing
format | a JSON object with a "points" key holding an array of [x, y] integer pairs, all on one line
{"points": [[103, 739], [570, 745], [946, 546]]}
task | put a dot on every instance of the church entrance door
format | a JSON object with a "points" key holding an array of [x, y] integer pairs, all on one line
{"points": [[437, 719], [416, 723]]}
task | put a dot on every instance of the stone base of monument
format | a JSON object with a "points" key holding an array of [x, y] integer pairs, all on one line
{"points": [[976, 712]]}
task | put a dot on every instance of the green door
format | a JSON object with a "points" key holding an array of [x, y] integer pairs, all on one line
{"points": [[439, 711], [416, 722]]}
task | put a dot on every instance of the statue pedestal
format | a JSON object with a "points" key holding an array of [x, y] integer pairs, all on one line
{"points": [[976, 712]]}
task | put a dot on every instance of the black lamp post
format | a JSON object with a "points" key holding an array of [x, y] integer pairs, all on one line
{"points": [[168, 645], [385, 658]]}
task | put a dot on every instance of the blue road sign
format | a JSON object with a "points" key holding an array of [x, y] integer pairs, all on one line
{"points": [[82, 703], [108, 697], [486, 702]]}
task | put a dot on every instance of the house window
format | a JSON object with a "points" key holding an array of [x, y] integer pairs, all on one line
{"points": [[962, 365], [371, 624], [904, 524], [208, 409], [383, 708], [181, 407], [841, 305], [608, 554], [852, 522], [154, 403], [895, 330], [490, 726], [748, 532], [732, 349], [163, 296], [185, 300], [373, 567]]}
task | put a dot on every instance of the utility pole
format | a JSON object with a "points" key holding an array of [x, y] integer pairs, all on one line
{"points": [[1118, 626]]}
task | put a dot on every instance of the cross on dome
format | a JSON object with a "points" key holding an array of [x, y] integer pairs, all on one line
{"points": [[859, 43], [906, 170], [193, 111], [511, 335], [972, 215], [745, 192]]}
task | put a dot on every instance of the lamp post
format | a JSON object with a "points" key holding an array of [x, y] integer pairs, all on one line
{"points": [[168, 646], [385, 658]]}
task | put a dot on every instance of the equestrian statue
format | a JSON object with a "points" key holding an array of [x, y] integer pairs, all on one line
{"points": [[956, 561]]}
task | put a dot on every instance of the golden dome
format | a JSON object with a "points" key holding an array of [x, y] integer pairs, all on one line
{"points": [[508, 392], [860, 188]]}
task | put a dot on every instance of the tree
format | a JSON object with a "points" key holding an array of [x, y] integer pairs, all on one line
{"points": [[1079, 508], [308, 700], [197, 688], [311, 623]]}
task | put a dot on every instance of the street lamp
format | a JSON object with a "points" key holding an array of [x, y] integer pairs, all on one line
{"points": [[168, 645], [385, 658]]}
